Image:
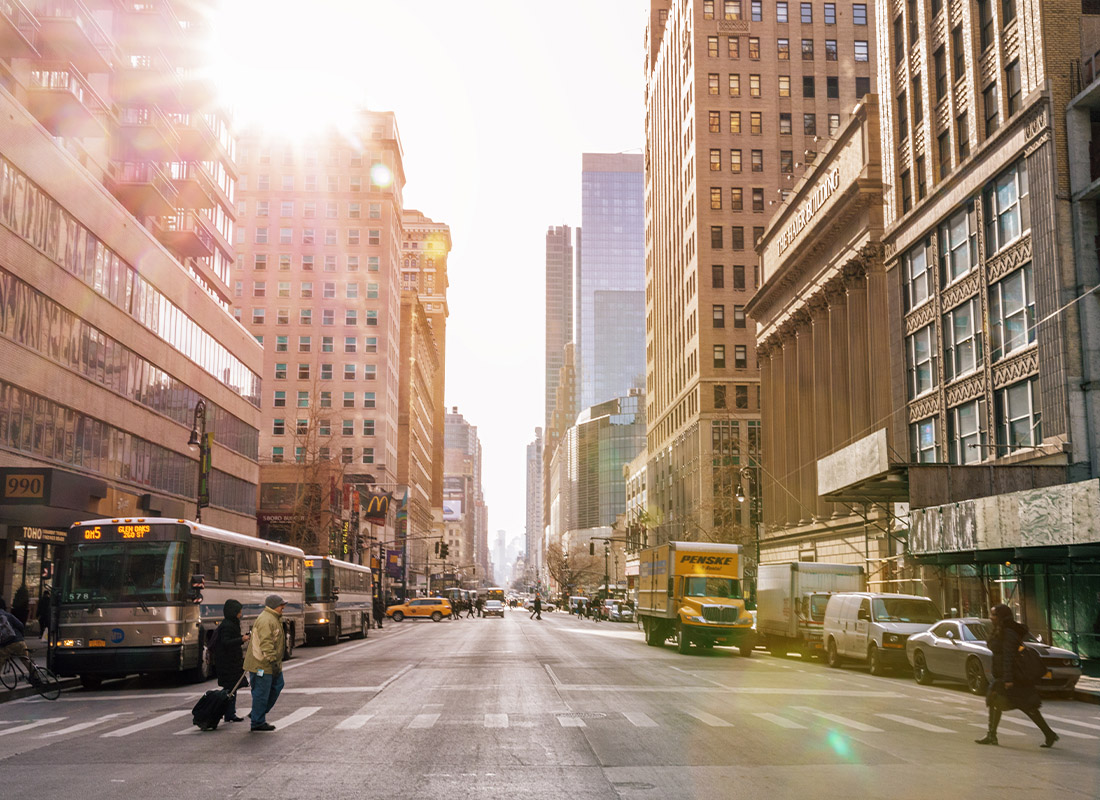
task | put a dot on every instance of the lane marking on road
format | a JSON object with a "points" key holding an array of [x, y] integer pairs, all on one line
{"points": [[423, 720], [346, 649], [999, 733], [1061, 732], [331, 689], [709, 719], [553, 678], [1069, 721], [782, 722], [639, 720], [720, 689], [571, 722], [496, 720], [160, 719], [916, 723], [851, 723], [35, 724], [354, 722], [81, 726], [297, 715]]}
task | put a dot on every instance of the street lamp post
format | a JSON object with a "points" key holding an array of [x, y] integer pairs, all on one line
{"points": [[199, 439], [748, 474]]}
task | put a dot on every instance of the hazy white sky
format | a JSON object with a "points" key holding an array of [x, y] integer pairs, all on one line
{"points": [[495, 101]]}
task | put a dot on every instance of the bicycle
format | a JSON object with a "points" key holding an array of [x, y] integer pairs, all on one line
{"points": [[42, 679]]}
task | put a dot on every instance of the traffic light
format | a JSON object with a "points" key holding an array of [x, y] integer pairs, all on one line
{"points": [[444, 548], [591, 548], [437, 547]]}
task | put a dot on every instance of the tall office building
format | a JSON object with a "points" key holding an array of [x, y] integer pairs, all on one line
{"points": [[559, 308], [466, 514], [739, 96], [534, 526], [116, 217], [610, 335], [318, 283]]}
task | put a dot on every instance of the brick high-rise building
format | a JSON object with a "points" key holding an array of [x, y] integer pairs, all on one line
{"points": [[318, 283], [739, 96], [117, 184], [465, 511], [559, 308]]}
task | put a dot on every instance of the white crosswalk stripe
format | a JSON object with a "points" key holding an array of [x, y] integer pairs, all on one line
{"points": [[1060, 731], [639, 720], [496, 720], [916, 723], [297, 715], [782, 722], [424, 720], [1078, 723], [851, 723], [354, 722], [1000, 732], [28, 726], [709, 719], [83, 726], [160, 719], [571, 722]]}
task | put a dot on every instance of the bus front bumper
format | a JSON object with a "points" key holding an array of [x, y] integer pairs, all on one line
{"points": [[121, 660]]}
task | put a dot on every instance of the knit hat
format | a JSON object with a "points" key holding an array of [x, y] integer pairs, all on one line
{"points": [[274, 601]]}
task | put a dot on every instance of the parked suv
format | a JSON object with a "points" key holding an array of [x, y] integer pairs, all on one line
{"points": [[864, 626], [434, 608]]}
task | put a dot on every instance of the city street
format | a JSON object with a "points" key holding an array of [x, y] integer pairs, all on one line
{"points": [[562, 708]]}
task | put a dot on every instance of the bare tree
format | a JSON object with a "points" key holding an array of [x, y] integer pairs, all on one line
{"points": [[575, 569]]}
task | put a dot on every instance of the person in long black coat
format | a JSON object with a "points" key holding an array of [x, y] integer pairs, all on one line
{"points": [[1009, 690], [229, 654]]}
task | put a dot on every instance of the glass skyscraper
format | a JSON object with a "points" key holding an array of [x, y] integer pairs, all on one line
{"points": [[611, 278]]}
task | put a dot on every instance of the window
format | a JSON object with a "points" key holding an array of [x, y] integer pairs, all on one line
{"points": [[985, 23], [922, 187], [899, 41], [920, 361], [370, 344], [903, 117], [258, 316], [353, 236], [807, 10], [735, 160], [740, 356], [717, 276], [305, 316], [784, 85], [939, 62], [368, 455], [733, 46], [349, 400], [284, 288], [715, 121], [259, 261], [282, 316], [756, 122], [1012, 85], [304, 344], [738, 276], [785, 123], [303, 399], [918, 101], [328, 290], [368, 399], [374, 236], [310, 207], [1007, 208], [966, 437], [351, 290], [281, 344], [280, 399], [945, 154], [757, 160], [1008, 12], [326, 400], [278, 427], [957, 52], [922, 436], [349, 372], [807, 49], [861, 52], [712, 46], [830, 50], [809, 124], [716, 198], [353, 263], [286, 208], [1012, 312], [301, 427], [736, 199], [737, 238], [962, 335], [263, 183], [306, 290], [781, 11], [261, 236], [719, 396], [783, 49], [863, 86], [715, 160], [786, 162], [959, 243], [326, 344], [716, 237], [280, 372], [859, 13], [1018, 417], [346, 455], [351, 317], [732, 9], [277, 454], [963, 125], [906, 191], [330, 236], [918, 276], [370, 372], [754, 85], [757, 10], [832, 86], [735, 122], [284, 263], [718, 316], [735, 84], [754, 48], [326, 372], [708, 9], [712, 83], [307, 263], [739, 316], [259, 289], [719, 356], [830, 13], [757, 199], [992, 101], [347, 427], [262, 207], [331, 209]]}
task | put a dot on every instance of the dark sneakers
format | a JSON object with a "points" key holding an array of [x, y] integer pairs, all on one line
{"points": [[267, 726]]}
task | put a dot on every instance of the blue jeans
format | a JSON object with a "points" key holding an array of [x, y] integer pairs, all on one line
{"points": [[265, 691]]}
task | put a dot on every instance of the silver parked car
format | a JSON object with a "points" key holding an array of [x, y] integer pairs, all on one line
{"points": [[955, 650]]}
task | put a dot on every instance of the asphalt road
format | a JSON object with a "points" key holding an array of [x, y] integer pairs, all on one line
{"points": [[564, 708]]}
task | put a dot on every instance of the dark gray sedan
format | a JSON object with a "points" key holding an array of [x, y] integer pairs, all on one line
{"points": [[955, 650]]}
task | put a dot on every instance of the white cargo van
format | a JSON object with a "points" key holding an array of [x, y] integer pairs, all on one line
{"points": [[864, 626]]}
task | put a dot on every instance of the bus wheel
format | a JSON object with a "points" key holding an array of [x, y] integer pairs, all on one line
{"points": [[364, 623], [91, 682]]}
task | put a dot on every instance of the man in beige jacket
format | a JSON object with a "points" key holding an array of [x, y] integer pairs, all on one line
{"points": [[264, 660]]}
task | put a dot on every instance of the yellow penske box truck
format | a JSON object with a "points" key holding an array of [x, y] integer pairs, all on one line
{"points": [[691, 591]]}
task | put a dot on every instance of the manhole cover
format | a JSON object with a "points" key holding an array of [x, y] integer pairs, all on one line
{"points": [[583, 714]]}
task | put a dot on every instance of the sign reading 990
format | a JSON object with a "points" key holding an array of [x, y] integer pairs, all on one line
{"points": [[24, 486]]}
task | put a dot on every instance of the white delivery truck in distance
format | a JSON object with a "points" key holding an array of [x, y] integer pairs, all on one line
{"points": [[791, 600]]}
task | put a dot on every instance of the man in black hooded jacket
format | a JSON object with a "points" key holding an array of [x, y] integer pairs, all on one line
{"points": [[229, 654]]}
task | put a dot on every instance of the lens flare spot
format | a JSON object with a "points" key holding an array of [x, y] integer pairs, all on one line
{"points": [[381, 175], [839, 743]]}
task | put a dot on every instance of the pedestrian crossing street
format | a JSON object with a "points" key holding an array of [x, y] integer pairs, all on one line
{"points": [[926, 719]]}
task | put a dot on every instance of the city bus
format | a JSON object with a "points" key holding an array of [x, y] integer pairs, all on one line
{"points": [[494, 593], [145, 595], [339, 599]]}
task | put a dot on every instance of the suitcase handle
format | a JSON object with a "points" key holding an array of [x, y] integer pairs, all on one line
{"points": [[233, 691]]}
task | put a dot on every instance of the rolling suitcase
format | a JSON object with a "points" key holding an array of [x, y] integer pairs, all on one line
{"points": [[210, 709]]}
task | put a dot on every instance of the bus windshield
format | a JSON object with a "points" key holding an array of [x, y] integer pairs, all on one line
{"points": [[124, 572], [318, 587], [494, 593], [706, 586]]}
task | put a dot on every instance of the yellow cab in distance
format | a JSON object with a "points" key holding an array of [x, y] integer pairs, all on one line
{"points": [[434, 608]]}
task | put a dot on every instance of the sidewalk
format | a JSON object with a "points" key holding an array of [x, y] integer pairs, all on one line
{"points": [[37, 648], [1087, 690]]}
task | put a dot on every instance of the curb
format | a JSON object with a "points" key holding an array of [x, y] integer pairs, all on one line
{"points": [[20, 692], [1083, 696]]}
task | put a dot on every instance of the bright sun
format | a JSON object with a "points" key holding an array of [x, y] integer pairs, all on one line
{"points": [[289, 66]]}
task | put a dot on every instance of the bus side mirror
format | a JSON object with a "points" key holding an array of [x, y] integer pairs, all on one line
{"points": [[335, 592], [198, 583]]}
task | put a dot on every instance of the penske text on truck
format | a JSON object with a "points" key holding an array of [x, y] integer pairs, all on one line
{"points": [[791, 599], [691, 591]]}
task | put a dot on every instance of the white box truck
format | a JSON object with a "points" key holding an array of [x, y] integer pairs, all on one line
{"points": [[791, 600]]}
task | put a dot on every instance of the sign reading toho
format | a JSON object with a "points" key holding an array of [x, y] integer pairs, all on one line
{"points": [[812, 205]]}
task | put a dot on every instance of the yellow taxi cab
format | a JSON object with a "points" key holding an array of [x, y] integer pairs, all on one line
{"points": [[434, 608]]}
